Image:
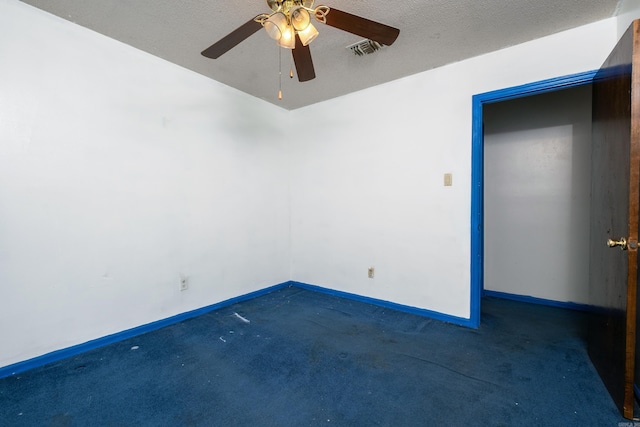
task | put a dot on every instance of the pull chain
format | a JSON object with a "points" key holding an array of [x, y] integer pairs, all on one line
{"points": [[291, 68], [280, 73]]}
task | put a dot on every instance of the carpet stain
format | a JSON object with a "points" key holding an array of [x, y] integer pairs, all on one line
{"points": [[242, 318]]}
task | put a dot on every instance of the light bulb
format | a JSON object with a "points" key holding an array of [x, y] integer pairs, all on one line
{"points": [[287, 40], [308, 35], [275, 25], [300, 18]]}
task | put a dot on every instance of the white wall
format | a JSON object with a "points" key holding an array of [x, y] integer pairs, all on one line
{"points": [[537, 193], [119, 172], [628, 11], [367, 182]]}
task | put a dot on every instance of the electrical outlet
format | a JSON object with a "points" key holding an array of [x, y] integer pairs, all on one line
{"points": [[184, 284], [448, 179], [371, 272]]}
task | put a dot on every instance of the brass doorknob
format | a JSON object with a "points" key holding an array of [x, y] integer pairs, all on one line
{"points": [[622, 243]]}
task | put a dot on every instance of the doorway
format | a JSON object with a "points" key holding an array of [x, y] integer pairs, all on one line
{"points": [[478, 229], [537, 193]]}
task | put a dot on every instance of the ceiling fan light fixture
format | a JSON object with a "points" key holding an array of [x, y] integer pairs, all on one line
{"points": [[300, 18], [289, 24], [279, 29], [288, 39], [308, 35], [276, 25]]}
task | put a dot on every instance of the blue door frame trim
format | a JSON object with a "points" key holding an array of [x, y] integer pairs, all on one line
{"points": [[477, 172]]}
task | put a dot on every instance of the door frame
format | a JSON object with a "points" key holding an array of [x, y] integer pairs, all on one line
{"points": [[477, 169]]}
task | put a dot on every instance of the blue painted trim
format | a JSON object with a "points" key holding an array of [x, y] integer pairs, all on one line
{"points": [[539, 301], [536, 88], [477, 172], [386, 304], [57, 355], [636, 391], [64, 353]]}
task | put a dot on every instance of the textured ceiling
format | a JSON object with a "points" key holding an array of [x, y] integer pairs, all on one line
{"points": [[432, 33]]}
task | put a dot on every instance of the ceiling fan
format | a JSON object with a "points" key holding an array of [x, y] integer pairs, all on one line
{"points": [[290, 25]]}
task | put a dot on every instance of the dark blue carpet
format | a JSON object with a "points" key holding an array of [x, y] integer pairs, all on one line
{"points": [[299, 358]]}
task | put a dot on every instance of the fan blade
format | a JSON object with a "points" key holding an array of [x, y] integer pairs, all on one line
{"points": [[232, 39], [363, 27], [304, 63]]}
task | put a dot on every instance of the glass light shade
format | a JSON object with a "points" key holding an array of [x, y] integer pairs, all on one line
{"points": [[276, 25], [300, 18], [308, 35], [288, 39]]}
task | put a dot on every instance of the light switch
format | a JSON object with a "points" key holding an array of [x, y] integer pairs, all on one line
{"points": [[448, 180]]}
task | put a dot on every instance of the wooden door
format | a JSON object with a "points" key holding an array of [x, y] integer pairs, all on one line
{"points": [[615, 197]]}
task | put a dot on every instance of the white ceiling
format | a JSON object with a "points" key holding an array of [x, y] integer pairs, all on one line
{"points": [[432, 33]]}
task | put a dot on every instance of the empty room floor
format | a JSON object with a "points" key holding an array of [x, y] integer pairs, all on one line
{"points": [[296, 357]]}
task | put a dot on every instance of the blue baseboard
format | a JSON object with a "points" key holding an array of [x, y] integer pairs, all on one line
{"points": [[540, 301], [54, 356], [392, 305]]}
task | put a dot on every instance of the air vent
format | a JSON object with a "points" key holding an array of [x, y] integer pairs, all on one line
{"points": [[364, 47]]}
